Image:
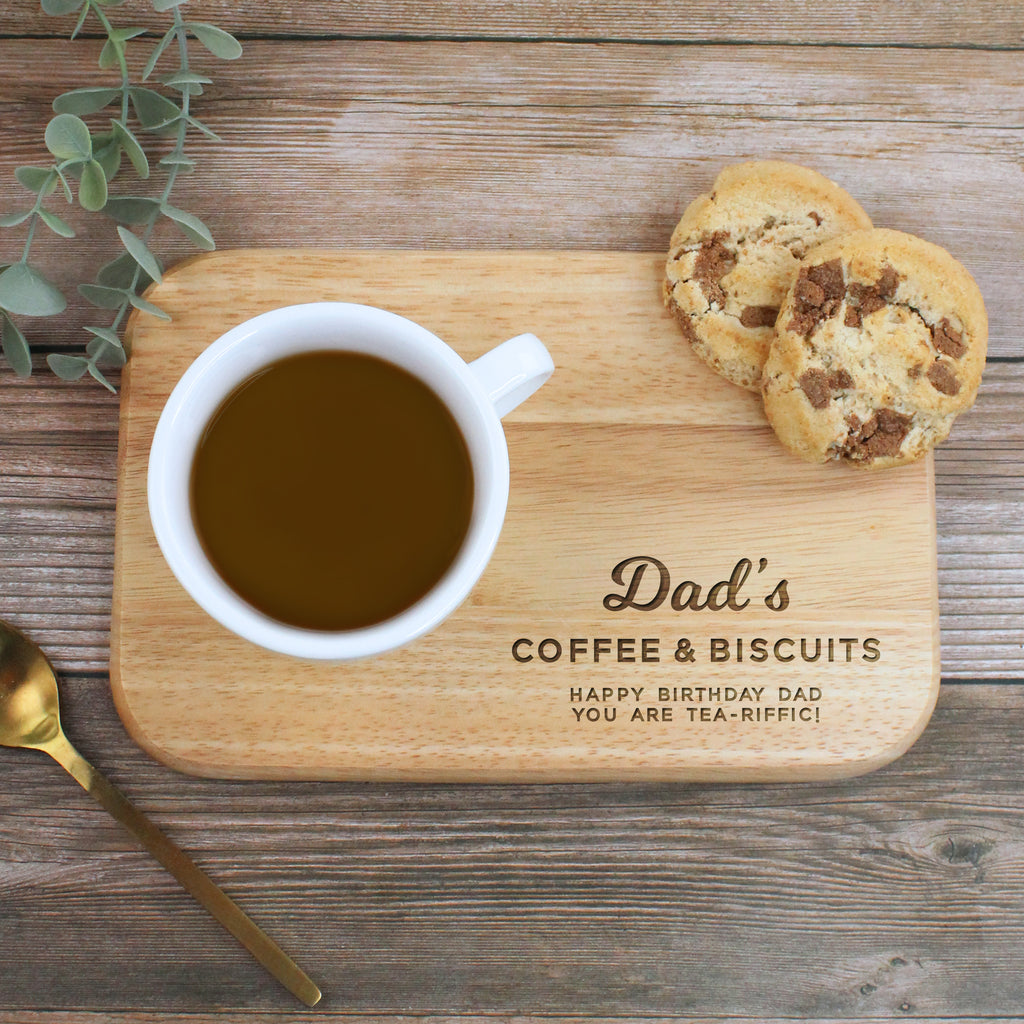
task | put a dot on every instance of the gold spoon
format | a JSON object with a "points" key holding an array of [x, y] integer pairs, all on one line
{"points": [[30, 717]]}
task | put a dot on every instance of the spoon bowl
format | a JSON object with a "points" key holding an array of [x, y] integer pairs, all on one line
{"points": [[29, 703], [30, 718]]}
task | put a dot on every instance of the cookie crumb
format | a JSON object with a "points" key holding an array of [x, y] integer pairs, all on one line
{"points": [[759, 316], [948, 340], [869, 298], [814, 384], [887, 282], [879, 437], [685, 325], [942, 378], [841, 380], [819, 386], [818, 292], [714, 261], [865, 298]]}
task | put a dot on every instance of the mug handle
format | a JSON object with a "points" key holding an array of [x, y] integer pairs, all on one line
{"points": [[510, 373]]}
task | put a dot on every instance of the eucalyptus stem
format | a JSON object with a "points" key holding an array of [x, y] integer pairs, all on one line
{"points": [[172, 174], [30, 232], [94, 156], [179, 144], [93, 7]]}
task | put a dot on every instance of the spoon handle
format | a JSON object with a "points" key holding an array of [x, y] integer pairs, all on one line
{"points": [[172, 857]]}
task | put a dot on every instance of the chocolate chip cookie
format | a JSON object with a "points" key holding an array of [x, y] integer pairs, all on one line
{"points": [[880, 344], [735, 253]]}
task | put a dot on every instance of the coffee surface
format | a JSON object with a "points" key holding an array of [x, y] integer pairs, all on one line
{"points": [[332, 490]]}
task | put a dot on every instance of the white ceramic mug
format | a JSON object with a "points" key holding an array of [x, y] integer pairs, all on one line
{"points": [[477, 394]]}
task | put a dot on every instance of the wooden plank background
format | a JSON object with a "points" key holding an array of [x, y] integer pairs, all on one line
{"points": [[537, 125], [935, 23]]}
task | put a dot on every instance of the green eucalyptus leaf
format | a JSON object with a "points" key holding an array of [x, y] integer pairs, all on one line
{"points": [[131, 209], [64, 182], [154, 110], [187, 82], [167, 128], [81, 21], [220, 43], [191, 226], [67, 367], [99, 350], [141, 253], [61, 6], [122, 272], [166, 5], [67, 138], [111, 54], [104, 296], [145, 306], [10, 220], [132, 149], [209, 132], [109, 159], [108, 336], [56, 224], [179, 78], [92, 189], [41, 180], [97, 374], [15, 348], [158, 50], [183, 163], [95, 348], [122, 35], [85, 101], [25, 291]]}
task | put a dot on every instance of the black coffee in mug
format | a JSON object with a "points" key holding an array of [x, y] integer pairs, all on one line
{"points": [[332, 490]]}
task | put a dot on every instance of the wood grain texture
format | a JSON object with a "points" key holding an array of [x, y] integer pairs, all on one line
{"points": [[430, 157], [564, 146], [897, 895], [633, 449], [893, 896], [57, 546], [940, 23], [133, 1017], [58, 468]]}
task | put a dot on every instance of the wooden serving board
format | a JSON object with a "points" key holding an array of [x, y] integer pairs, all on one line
{"points": [[633, 453]]}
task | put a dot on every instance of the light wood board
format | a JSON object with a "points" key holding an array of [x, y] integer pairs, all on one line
{"points": [[632, 449]]}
